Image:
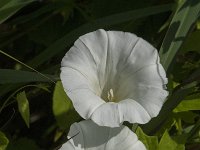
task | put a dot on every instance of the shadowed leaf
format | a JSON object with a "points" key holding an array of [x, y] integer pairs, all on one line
{"points": [[10, 7]]}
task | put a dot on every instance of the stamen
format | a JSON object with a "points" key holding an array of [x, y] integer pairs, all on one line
{"points": [[110, 95]]}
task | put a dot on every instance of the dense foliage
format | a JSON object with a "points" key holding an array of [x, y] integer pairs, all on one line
{"points": [[35, 112]]}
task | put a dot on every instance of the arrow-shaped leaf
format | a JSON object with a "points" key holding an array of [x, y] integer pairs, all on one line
{"points": [[23, 106]]}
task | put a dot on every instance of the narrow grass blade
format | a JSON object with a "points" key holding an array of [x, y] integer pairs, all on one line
{"points": [[16, 76], [69, 38], [185, 16], [26, 65]]}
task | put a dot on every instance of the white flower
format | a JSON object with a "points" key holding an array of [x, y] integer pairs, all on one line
{"points": [[93, 137], [112, 77]]}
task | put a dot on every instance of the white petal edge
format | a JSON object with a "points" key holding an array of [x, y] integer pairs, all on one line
{"points": [[114, 114], [139, 108]]}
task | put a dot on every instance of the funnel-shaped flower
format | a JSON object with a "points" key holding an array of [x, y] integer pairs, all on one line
{"points": [[112, 77], [90, 136]]}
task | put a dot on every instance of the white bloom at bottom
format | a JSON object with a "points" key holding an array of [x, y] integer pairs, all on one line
{"points": [[93, 137]]}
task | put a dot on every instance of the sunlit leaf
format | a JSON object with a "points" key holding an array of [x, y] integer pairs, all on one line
{"points": [[166, 143], [23, 106], [10, 7], [3, 141], [191, 102], [151, 142], [186, 105], [62, 107]]}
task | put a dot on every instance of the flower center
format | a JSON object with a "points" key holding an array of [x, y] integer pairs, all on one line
{"points": [[110, 95]]}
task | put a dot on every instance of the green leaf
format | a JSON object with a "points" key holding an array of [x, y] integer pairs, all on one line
{"points": [[3, 141], [185, 16], [180, 138], [62, 107], [191, 102], [151, 142], [198, 24], [186, 105], [10, 7], [166, 143], [186, 116], [23, 144], [69, 38], [189, 45], [23, 106], [18, 76]]}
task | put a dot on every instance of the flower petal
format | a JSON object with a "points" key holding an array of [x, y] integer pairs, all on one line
{"points": [[113, 114], [107, 115], [94, 137], [81, 79], [149, 97], [67, 146], [84, 100], [103, 60]]}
